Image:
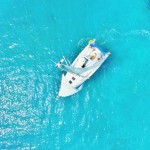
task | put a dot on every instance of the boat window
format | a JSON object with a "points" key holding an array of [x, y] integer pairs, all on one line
{"points": [[70, 81], [73, 78]]}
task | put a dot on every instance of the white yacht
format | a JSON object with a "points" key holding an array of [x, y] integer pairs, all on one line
{"points": [[82, 68]]}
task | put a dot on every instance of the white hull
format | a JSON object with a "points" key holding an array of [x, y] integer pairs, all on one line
{"points": [[89, 60]]}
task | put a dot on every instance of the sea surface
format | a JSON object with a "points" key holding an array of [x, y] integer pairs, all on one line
{"points": [[112, 112]]}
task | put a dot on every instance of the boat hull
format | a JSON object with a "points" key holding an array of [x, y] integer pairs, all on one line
{"points": [[72, 83]]}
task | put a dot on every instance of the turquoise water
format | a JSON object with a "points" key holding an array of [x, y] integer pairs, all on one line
{"points": [[112, 110]]}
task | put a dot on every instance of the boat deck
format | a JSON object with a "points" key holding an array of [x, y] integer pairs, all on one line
{"points": [[87, 58]]}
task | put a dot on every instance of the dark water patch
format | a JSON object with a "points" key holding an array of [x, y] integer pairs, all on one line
{"points": [[148, 4]]}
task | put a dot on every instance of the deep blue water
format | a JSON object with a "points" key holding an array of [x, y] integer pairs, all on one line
{"points": [[112, 110]]}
